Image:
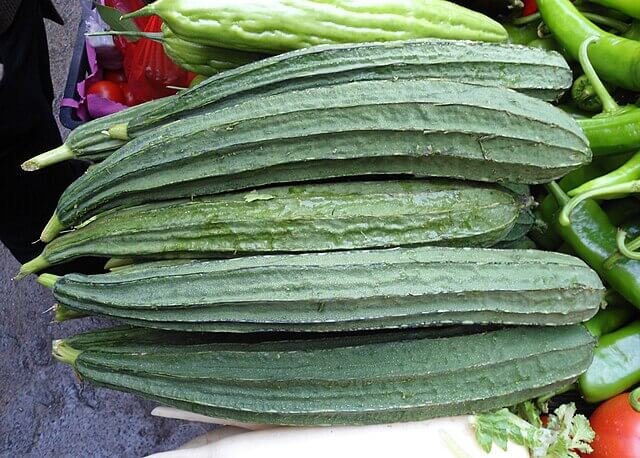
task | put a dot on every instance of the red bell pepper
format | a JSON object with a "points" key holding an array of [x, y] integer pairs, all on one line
{"points": [[530, 7]]}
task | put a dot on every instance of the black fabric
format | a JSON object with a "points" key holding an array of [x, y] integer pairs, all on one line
{"points": [[9, 8], [27, 128]]}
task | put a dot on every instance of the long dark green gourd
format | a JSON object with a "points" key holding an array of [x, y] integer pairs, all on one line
{"points": [[341, 291], [536, 72], [364, 379], [533, 71], [421, 128], [317, 217]]}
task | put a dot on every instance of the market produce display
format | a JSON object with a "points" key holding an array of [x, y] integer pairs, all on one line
{"points": [[528, 70], [369, 213]]}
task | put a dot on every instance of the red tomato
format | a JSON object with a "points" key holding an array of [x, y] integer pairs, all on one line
{"points": [[115, 76], [617, 427], [107, 90]]}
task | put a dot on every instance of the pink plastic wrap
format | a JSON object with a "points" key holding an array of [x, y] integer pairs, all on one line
{"points": [[93, 106]]}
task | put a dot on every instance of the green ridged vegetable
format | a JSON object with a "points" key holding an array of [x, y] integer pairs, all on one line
{"points": [[318, 217], [364, 379], [422, 128], [202, 59], [90, 141], [535, 72], [279, 26], [341, 291]]}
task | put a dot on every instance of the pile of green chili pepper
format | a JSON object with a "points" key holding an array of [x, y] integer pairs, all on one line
{"points": [[594, 211]]}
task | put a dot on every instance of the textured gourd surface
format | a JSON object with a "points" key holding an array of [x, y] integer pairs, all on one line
{"points": [[354, 380], [536, 72], [369, 289], [319, 217], [423, 128]]}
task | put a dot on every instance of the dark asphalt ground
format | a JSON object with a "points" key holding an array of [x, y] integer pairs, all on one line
{"points": [[44, 410]]}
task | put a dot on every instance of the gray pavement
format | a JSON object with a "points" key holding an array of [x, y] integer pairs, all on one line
{"points": [[45, 411]]}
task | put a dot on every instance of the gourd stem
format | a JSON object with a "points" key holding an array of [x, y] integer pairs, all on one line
{"points": [[114, 263], [48, 280], [119, 132], [35, 265], [63, 352], [59, 154], [609, 105], [52, 229], [605, 191], [64, 313]]}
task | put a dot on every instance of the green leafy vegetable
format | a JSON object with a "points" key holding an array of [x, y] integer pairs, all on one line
{"points": [[565, 434], [112, 17]]}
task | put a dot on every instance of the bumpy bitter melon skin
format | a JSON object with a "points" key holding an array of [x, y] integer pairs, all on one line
{"points": [[422, 128], [279, 26], [315, 217], [343, 291], [202, 59], [363, 379]]}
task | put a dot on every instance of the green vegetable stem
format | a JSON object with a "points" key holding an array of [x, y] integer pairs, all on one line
{"points": [[630, 7]]}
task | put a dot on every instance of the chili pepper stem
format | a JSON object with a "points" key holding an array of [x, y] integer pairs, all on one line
{"points": [[59, 154], [557, 192], [621, 189], [615, 24], [629, 171], [628, 251], [634, 399], [609, 105]]}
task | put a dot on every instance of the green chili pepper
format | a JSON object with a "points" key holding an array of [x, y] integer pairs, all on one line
{"points": [[615, 366], [630, 7], [542, 233], [617, 313], [630, 171], [617, 129], [593, 238], [614, 191], [616, 58]]}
